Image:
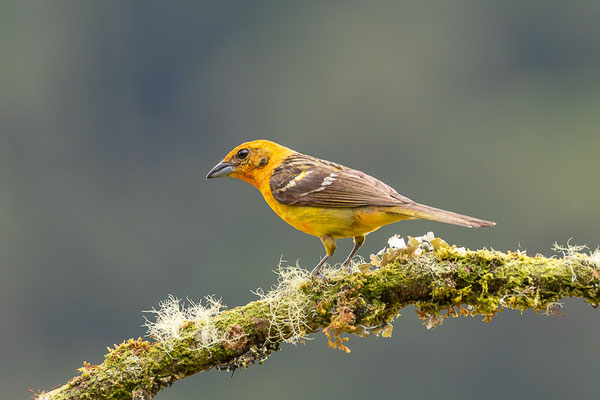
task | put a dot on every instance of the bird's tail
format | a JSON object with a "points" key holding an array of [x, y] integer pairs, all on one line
{"points": [[421, 211]]}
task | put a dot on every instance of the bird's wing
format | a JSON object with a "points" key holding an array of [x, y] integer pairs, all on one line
{"points": [[308, 181]]}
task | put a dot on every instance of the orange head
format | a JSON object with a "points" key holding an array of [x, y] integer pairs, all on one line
{"points": [[250, 161]]}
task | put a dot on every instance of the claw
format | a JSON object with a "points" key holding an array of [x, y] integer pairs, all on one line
{"points": [[320, 276], [358, 241]]}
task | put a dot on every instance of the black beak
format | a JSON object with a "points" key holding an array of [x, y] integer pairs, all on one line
{"points": [[220, 170]]}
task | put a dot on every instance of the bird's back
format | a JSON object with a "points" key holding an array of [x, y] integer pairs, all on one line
{"points": [[301, 180], [304, 180]]}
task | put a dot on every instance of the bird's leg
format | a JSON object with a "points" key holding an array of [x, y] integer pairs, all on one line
{"points": [[329, 245], [316, 272], [358, 241]]}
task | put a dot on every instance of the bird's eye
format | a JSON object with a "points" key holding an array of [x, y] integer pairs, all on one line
{"points": [[243, 153]]}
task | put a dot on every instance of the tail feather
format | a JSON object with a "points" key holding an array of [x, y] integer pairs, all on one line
{"points": [[422, 211]]}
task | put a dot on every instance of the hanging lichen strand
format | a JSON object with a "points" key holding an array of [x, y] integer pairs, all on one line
{"points": [[440, 280]]}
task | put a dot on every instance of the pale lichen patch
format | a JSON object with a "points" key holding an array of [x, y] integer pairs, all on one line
{"points": [[172, 317], [288, 305]]}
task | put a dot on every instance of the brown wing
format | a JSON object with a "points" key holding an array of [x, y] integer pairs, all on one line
{"points": [[308, 181]]}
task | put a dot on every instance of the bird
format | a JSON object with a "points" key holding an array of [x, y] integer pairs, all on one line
{"points": [[326, 199]]}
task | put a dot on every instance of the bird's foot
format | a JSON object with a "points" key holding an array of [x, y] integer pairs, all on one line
{"points": [[348, 268], [319, 276]]}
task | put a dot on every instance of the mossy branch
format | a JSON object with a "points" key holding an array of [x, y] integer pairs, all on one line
{"points": [[441, 281]]}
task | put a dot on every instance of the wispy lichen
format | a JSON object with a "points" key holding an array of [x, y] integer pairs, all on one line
{"points": [[288, 305], [172, 317]]}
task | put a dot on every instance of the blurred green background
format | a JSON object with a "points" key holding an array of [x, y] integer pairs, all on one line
{"points": [[113, 112]]}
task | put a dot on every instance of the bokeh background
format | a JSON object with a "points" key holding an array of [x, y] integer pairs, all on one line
{"points": [[112, 113]]}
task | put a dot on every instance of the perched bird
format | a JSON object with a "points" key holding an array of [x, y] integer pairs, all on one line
{"points": [[325, 199]]}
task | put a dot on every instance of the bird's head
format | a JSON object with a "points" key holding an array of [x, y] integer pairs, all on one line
{"points": [[249, 161]]}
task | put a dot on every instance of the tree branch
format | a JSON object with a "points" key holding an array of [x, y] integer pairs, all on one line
{"points": [[438, 279]]}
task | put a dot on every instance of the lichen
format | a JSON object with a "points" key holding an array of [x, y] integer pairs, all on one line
{"points": [[288, 305], [172, 317]]}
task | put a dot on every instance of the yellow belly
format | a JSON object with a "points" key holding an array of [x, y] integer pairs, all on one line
{"points": [[336, 222]]}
